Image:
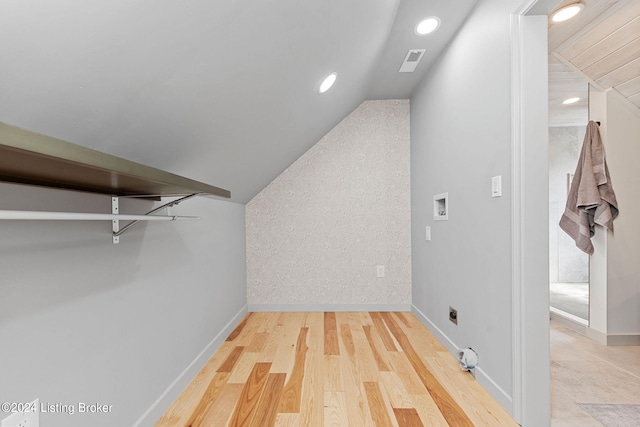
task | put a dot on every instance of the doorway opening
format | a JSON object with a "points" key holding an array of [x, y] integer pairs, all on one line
{"points": [[568, 265]]}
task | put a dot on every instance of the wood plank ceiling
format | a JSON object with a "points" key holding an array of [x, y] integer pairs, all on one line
{"points": [[564, 83], [600, 46]]}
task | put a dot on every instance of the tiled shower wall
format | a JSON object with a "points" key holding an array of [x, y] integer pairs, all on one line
{"points": [[566, 262]]}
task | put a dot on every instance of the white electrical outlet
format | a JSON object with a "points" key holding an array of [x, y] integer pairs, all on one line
{"points": [[380, 270], [30, 418]]}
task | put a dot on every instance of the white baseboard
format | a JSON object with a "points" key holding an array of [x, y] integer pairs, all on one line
{"points": [[596, 335], [158, 408], [581, 326], [613, 339], [444, 339], [501, 396], [497, 392], [623, 339], [572, 322], [328, 307]]}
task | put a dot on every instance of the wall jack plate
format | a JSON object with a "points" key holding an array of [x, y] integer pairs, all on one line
{"points": [[453, 315], [24, 419]]}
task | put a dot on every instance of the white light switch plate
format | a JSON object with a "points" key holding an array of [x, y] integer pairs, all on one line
{"points": [[380, 270], [496, 186], [427, 233]]}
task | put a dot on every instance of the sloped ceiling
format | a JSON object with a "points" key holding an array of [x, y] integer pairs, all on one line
{"points": [[601, 44], [565, 82], [224, 92]]}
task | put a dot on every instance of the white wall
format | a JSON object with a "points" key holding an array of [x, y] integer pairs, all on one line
{"points": [[615, 284], [598, 260], [316, 233], [623, 246], [460, 139], [530, 227], [83, 320]]}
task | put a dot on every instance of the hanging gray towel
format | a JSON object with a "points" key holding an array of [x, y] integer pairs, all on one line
{"points": [[591, 199]]}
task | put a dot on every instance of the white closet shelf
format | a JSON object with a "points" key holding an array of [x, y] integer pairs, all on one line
{"points": [[34, 159]]}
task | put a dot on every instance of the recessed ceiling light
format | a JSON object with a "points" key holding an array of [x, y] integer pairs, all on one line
{"points": [[567, 12], [427, 25], [328, 82], [570, 101]]}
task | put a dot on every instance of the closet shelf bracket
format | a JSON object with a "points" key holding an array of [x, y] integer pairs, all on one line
{"points": [[115, 210]]}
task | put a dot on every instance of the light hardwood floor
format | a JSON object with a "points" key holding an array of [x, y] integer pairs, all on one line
{"points": [[333, 369]]}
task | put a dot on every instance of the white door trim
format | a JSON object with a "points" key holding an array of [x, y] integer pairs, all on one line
{"points": [[516, 216], [530, 333]]}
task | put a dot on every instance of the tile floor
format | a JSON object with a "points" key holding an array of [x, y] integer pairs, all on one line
{"points": [[572, 298], [584, 371]]}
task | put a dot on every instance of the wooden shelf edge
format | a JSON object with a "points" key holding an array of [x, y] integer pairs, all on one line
{"points": [[31, 158]]}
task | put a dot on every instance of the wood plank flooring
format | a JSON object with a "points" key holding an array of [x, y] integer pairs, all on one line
{"points": [[585, 371], [333, 369]]}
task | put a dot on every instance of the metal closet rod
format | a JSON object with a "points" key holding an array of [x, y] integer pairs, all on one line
{"points": [[151, 212], [77, 216]]}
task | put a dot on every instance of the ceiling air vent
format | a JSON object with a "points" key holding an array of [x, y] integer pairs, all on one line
{"points": [[411, 60]]}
